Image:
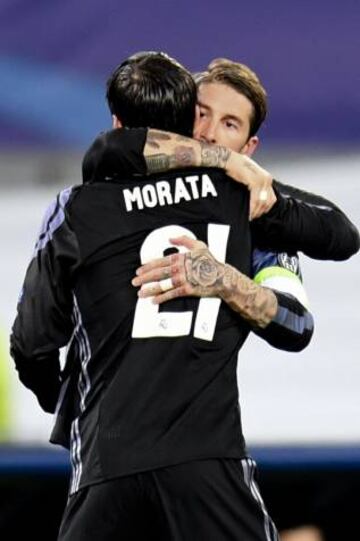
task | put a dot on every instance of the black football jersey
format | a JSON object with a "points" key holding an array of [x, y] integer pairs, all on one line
{"points": [[144, 386]]}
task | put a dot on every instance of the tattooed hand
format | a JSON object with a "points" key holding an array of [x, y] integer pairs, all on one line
{"points": [[197, 273]]}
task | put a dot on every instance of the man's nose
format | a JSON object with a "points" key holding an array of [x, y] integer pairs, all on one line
{"points": [[208, 133]]}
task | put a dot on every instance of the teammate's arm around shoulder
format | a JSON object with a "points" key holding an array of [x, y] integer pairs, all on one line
{"points": [[164, 151], [121, 153], [289, 219]]}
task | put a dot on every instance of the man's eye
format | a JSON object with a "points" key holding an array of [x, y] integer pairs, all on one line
{"points": [[202, 114], [231, 125]]}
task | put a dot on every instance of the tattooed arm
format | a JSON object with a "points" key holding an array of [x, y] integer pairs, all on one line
{"points": [[121, 153], [278, 318], [164, 151], [197, 273], [298, 220]]}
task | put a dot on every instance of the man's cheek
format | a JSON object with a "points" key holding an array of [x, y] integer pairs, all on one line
{"points": [[197, 130]]}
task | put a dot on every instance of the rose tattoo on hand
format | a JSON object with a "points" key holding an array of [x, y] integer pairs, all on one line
{"points": [[203, 271]]}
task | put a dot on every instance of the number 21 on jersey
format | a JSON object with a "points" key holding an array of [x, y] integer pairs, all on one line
{"points": [[149, 321]]}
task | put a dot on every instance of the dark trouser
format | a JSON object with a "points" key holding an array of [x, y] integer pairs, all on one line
{"points": [[203, 500]]}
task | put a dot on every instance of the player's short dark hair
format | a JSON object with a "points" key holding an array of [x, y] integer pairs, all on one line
{"points": [[150, 89], [242, 79]]}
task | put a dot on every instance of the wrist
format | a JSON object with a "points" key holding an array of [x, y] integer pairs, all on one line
{"points": [[235, 168], [214, 155], [227, 282]]}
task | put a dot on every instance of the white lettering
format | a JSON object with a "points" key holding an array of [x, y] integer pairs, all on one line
{"points": [[149, 196], [192, 180], [164, 194], [181, 191], [169, 193], [207, 187], [133, 196]]}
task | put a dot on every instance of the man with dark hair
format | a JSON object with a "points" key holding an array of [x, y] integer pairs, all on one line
{"points": [[134, 94], [148, 401]]}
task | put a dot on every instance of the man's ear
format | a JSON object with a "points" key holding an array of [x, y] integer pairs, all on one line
{"points": [[116, 123], [249, 148]]}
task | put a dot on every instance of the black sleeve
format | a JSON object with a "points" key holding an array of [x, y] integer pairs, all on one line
{"points": [[299, 221], [44, 313], [115, 155], [302, 221], [292, 327]]}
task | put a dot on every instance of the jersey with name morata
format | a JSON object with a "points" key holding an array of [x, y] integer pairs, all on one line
{"points": [[144, 386]]}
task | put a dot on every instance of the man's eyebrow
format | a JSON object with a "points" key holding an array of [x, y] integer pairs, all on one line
{"points": [[227, 117], [234, 117], [201, 104]]}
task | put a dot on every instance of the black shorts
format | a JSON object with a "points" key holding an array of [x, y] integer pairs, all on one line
{"points": [[203, 500]]}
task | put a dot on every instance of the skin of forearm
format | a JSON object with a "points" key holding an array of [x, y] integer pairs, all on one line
{"points": [[164, 151], [257, 304]]}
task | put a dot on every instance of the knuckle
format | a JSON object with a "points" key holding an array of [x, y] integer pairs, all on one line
{"points": [[187, 289], [176, 293], [174, 259], [156, 275], [176, 280], [175, 270]]}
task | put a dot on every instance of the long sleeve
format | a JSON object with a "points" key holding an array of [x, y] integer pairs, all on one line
{"points": [[44, 313], [299, 221], [292, 327], [115, 155], [305, 222]]}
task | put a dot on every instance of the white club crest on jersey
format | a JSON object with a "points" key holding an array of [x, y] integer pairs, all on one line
{"points": [[289, 262]]}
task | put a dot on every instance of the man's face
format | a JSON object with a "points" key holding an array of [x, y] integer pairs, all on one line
{"points": [[223, 118]]}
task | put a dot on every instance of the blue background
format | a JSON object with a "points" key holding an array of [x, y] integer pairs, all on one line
{"points": [[55, 57]]}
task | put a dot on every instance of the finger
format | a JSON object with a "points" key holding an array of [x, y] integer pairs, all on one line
{"points": [[261, 205], [187, 242], [183, 291], [154, 275], [175, 271], [166, 284], [161, 263], [253, 204], [263, 195], [259, 210], [153, 264], [268, 203], [156, 288], [150, 290], [272, 200]]}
